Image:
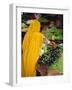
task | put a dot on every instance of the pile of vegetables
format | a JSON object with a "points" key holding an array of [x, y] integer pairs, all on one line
{"points": [[50, 55], [53, 32]]}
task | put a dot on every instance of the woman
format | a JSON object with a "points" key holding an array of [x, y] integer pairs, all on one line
{"points": [[31, 46]]}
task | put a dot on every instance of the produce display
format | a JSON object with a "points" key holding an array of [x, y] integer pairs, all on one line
{"points": [[51, 55], [53, 32]]}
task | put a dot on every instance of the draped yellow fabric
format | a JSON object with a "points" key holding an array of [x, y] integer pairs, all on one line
{"points": [[31, 46]]}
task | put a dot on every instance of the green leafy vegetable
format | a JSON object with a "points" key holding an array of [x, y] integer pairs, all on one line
{"points": [[50, 57]]}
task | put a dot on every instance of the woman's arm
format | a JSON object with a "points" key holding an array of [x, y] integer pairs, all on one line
{"points": [[45, 40]]}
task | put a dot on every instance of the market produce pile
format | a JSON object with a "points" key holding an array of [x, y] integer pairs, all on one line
{"points": [[51, 55], [53, 32]]}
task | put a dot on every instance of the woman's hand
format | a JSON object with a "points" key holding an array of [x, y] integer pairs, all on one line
{"points": [[51, 43]]}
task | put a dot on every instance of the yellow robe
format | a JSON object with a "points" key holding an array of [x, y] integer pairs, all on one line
{"points": [[31, 46]]}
